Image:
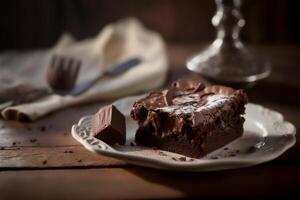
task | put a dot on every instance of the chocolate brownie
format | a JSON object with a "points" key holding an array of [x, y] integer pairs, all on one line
{"points": [[190, 118]]}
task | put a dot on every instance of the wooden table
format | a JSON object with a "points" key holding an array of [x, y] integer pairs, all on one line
{"points": [[40, 160]]}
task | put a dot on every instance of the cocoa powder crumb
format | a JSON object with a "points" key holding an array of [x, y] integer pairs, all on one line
{"points": [[251, 149], [192, 159], [79, 160], [226, 148], [132, 144], [14, 143], [182, 158], [44, 162], [174, 158], [68, 151], [43, 128], [162, 153], [33, 140]]}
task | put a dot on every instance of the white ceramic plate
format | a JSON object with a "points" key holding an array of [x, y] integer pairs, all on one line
{"points": [[266, 136]]}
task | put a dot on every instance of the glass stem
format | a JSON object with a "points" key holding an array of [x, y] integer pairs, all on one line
{"points": [[228, 22]]}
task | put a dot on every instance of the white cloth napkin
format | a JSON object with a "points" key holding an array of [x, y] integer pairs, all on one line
{"points": [[115, 43]]}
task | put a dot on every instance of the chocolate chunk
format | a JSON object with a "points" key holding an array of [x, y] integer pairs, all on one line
{"points": [[109, 126]]}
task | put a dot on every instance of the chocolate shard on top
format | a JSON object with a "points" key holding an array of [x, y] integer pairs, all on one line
{"points": [[108, 125], [170, 94], [189, 113]]}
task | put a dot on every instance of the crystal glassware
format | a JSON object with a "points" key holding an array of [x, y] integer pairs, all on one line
{"points": [[227, 60]]}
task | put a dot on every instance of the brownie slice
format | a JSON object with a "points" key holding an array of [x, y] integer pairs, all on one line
{"points": [[189, 118]]}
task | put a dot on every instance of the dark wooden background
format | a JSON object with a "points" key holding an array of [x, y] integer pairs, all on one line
{"points": [[39, 23]]}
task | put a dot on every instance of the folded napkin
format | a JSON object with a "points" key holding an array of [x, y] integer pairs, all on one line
{"points": [[115, 43]]}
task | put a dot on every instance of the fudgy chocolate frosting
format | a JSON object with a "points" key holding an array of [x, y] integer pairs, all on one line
{"points": [[187, 104]]}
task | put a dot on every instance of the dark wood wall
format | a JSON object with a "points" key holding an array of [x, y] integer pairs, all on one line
{"points": [[39, 23]]}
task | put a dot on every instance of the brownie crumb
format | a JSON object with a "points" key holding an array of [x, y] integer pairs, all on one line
{"points": [[214, 157], [79, 160], [44, 162], [192, 159], [132, 144], [182, 158], [33, 140], [251, 149], [68, 151], [14, 143], [226, 148], [162, 153], [43, 128], [2, 148], [173, 158]]}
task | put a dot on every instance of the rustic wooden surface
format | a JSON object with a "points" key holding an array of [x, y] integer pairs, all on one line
{"points": [[40, 160]]}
